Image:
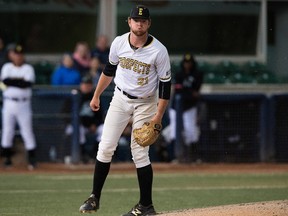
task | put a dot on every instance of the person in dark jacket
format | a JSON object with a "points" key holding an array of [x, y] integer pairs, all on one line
{"points": [[187, 83]]}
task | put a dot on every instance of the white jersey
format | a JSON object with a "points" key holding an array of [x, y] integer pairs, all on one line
{"points": [[139, 71], [25, 71]]}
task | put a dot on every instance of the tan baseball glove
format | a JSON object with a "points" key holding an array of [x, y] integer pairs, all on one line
{"points": [[147, 134]]}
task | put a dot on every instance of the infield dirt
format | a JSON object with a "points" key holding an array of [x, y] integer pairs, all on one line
{"points": [[271, 208]]}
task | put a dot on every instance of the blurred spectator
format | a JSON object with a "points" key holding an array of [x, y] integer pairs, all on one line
{"points": [[90, 122], [101, 49], [10, 50], [3, 53], [66, 74], [95, 69], [82, 57], [187, 83], [18, 78]]}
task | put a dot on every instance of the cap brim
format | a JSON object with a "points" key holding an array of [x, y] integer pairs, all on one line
{"points": [[135, 17]]}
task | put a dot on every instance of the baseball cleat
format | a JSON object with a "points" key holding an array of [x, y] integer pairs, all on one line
{"points": [[140, 210], [90, 205]]}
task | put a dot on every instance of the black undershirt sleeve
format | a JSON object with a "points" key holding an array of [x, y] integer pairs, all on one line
{"points": [[110, 69], [164, 90], [20, 83]]}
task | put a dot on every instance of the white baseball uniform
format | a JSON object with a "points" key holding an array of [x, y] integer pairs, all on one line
{"points": [[17, 106], [135, 97]]}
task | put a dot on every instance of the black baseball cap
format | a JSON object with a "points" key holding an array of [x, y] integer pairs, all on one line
{"points": [[188, 57], [16, 48], [19, 49], [140, 12]]}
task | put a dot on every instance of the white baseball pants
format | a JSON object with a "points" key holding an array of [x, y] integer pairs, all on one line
{"points": [[17, 112], [190, 127], [121, 111]]}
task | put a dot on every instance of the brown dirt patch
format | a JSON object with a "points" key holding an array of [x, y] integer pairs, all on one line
{"points": [[271, 208], [21, 166]]}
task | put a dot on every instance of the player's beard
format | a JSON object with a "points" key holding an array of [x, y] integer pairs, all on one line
{"points": [[139, 33]]}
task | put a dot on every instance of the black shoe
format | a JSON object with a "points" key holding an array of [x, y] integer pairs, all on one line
{"points": [[7, 163], [90, 205], [140, 210]]}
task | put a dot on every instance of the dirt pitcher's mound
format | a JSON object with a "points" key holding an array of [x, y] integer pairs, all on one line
{"points": [[271, 208]]}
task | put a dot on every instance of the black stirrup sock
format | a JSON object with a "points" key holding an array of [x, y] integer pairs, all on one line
{"points": [[100, 173], [145, 180]]}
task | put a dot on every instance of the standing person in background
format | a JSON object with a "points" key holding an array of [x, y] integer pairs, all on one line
{"points": [[101, 50], [82, 57], [187, 84], [141, 66], [18, 78], [66, 73]]}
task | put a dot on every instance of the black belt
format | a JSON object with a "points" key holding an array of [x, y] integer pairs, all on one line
{"points": [[128, 95], [17, 99]]}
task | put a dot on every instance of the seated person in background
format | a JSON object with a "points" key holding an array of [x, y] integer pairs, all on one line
{"points": [[101, 50], [90, 122], [66, 74], [95, 70], [82, 57]]}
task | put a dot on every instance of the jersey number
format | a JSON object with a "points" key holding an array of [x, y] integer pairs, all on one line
{"points": [[142, 81]]}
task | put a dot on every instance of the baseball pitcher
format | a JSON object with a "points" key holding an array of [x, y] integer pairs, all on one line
{"points": [[140, 66]]}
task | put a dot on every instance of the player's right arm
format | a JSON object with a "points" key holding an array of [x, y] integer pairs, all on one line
{"points": [[107, 75], [103, 83]]}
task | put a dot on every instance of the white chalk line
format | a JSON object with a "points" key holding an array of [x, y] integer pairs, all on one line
{"points": [[116, 190]]}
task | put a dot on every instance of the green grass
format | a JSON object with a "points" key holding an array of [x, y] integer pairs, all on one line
{"points": [[34, 194]]}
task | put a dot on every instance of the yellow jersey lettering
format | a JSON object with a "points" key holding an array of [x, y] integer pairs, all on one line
{"points": [[134, 65], [142, 81]]}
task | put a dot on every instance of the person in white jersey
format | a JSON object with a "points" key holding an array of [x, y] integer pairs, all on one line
{"points": [[140, 66], [18, 78]]}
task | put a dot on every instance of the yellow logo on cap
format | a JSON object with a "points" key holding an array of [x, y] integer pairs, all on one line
{"points": [[18, 48], [140, 12], [187, 57]]}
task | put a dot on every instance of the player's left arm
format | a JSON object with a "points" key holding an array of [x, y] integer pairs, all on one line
{"points": [[164, 97], [162, 105], [164, 87]]}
